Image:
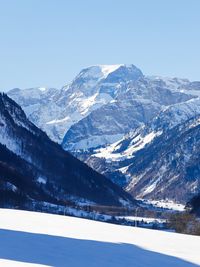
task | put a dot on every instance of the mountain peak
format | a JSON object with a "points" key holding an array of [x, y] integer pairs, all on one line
{"points": [[107, 69], [98, 72]]}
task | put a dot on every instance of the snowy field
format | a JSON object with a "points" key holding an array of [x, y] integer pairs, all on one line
{"points": [[39, 239], [142, 219], [164, 204]]}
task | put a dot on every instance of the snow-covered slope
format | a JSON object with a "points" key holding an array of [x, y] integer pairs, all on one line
{"points": [[38, 239]]}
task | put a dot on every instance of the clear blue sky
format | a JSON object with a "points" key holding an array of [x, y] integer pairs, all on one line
{"points": [[47, 42]]}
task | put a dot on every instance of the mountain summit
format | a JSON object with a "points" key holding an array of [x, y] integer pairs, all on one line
{"points": [[56, 110]]}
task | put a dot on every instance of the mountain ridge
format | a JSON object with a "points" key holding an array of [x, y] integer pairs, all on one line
{"points": [[28, 152]]}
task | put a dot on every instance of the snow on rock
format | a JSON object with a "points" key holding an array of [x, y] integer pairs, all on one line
{"points": [[8, 142], [58, 121], [172, 83], [90, 101], [9, 186], [95, 141], [195, 123], [107, 152], [43, 89], [39, 239], [107, 69], [150, 187], [41, 180], [140, 143], [137, 143]]}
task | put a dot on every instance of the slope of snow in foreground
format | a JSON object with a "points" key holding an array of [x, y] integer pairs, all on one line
{"points": [[39, 239]]}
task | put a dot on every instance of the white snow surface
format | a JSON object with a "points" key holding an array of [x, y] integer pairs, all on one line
{"points": [[165, 204], [144, 219], [39, 239], [107, 69], [136, 144], [99, 71]]}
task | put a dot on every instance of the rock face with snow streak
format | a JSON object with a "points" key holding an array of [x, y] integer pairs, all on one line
{"points": [[169, 166]]}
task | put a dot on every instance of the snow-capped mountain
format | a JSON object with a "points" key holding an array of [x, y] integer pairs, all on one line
{"points": [[55, 111], [110, 113], [100, 105], [136, 104], [32, 167]]}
